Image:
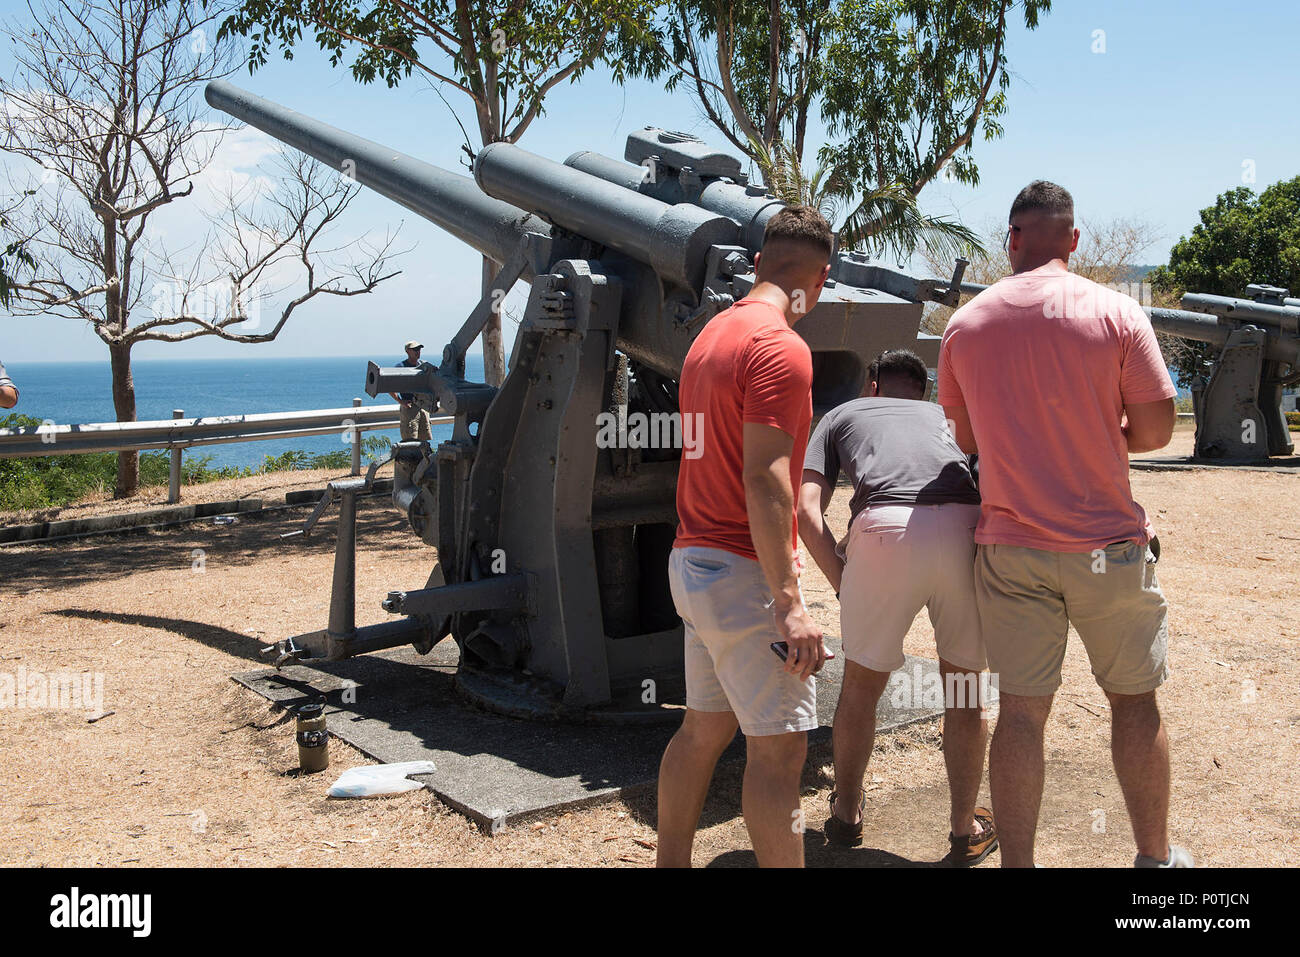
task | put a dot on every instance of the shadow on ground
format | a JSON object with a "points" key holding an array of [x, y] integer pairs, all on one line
{"points": [[77, 562]]}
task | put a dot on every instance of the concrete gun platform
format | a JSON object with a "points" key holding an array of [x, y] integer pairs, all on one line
{"points": [[496, 770]]}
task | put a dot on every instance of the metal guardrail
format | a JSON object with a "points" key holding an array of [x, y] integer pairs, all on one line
{"points": [[180, 433]]}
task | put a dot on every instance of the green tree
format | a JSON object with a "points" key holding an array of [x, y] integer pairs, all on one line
{"points": [[905, 88], [504, 55], [1243, 238]]}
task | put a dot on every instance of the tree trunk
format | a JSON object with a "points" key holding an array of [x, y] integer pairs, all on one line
{"points": [[128, 462], [494, 357]]}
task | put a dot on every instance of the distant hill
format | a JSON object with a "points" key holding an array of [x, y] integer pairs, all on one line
{"points": [[1136, 273]]}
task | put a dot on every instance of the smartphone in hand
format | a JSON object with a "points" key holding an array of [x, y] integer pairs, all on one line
{"points": [[782, 650]]}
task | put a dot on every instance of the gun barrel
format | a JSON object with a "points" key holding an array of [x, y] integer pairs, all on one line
{"points": [[451, 201], [748, 206], [1203, 328], [1284, 317], [674, 239]]}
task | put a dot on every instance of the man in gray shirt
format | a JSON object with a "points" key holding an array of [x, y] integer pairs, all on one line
{"points": [[910, 545], [8, 391]]}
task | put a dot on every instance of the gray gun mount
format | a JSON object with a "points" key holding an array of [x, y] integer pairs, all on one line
{"points": [[552, 526], [1237, 399]]}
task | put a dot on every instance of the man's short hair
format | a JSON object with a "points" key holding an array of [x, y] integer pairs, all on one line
{"points": [[1042, 196], [799, 226], [902, 370]]}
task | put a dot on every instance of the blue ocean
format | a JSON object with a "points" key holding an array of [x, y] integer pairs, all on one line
{"points": [[80, 392]]}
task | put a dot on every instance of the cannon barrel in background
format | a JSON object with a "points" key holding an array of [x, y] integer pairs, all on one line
{"points": [[1203, 328], [1197, 325], [1285, 317], [449, 200]]}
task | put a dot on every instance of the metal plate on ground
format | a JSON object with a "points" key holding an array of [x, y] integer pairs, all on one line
{"points": [[400, 706]]}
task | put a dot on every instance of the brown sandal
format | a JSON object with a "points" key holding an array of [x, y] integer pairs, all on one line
{"points": [[841, 833], [970, 849]]}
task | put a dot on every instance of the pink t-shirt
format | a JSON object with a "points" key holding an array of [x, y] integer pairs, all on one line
{"points": [[1044, 362]]}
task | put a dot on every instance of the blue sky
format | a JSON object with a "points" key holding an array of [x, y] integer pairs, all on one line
{"points": [[1152, 129]]}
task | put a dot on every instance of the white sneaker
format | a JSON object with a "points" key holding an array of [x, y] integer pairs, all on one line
{"points": [[1178, 857]]}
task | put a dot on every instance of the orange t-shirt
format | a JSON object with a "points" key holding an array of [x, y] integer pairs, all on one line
{"points": [[1044, 362], [746, 365]]}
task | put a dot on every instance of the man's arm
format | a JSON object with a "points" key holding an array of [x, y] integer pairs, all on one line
{"points": [[1150, 425], [769, 501], [8, 391], [959, 422], [814, 497]]}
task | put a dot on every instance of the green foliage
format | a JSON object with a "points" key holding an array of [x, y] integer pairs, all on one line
{"points": [[503, 54], [909, 85], [13, 254], [884, 219], [905, 88], [55, 480], [1243, 238], [1293, 420]]}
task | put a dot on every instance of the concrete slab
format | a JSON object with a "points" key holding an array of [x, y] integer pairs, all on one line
{"points": [[400, 706]]}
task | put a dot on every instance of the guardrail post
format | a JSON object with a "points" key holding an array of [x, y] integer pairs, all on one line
{"points": [[356, 440], [174, 479]]}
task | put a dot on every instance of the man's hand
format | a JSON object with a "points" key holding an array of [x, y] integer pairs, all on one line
{"points": [[803, 637]]}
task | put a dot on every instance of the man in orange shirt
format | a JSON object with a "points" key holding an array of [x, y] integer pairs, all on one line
{"points": [[1054, 380], [748, 380]]}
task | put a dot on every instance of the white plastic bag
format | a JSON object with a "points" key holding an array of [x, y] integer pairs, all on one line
{"points": [[377, 779]]}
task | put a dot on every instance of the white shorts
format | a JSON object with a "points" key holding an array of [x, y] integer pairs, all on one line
{"points": [[900, 559], [725, 605]]}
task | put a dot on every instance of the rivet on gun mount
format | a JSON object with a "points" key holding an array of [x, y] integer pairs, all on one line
{"points": [[552, 551]]}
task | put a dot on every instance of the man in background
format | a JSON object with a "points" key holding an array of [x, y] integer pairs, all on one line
{"points": [[8, 391], [1054, 380], [748, 379], [414, 420], [910, 546]]}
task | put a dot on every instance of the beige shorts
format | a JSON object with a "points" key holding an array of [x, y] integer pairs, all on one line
{"points": [[900, 559], [414, 423], [1028, 598], [725, 605]]}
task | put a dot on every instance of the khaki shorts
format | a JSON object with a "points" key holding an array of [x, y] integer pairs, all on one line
{"points": [[900, 559], [725, 606], [1028, 598], [414, 423]]}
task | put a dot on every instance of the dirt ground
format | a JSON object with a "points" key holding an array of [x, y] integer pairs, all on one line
{"points": [[191, 769]]}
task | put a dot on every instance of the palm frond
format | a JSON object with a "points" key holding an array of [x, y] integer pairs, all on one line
{"points": [[888, 220], [884, 219]]}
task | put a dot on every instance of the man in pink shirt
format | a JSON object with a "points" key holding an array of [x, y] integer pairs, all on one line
{"points": [[1054, 379]]}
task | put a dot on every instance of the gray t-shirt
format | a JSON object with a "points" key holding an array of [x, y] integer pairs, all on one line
{"points": [[4, 376], [894, 451]]}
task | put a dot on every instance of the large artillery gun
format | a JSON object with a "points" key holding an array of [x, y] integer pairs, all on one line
{"points": [[552, 519], [1237, 398]]}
